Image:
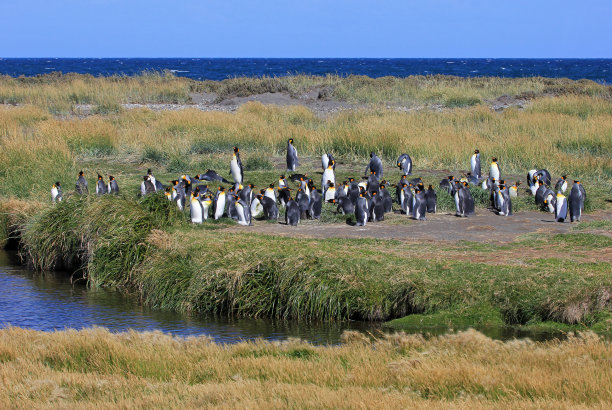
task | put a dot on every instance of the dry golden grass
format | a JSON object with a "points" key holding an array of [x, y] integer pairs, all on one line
{"points": [[94, 368], [570, 134]]}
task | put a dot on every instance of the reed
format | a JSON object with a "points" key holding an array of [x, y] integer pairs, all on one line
{"points": [[95, 368]]}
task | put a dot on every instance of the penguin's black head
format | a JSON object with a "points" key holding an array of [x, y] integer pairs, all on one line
{"points": [[450, 177], [252, 186], [476, 151], [399, 165], [404, 185], [149, 172], [351, 179], [290, 140], [518, 183], [371, 154], [502, 182], [382, 186], [282, 177], [168, 189], [564, 177], [494, 159], [174, 182], [236, 149], [575, 182], [80, 173], [221, 189], [111, 177], [145, 178], [541, 183], [57, 184], [99, 177], [374, 193], [431, 187]]}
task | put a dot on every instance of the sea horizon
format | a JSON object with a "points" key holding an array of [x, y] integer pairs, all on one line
{"points": [[219, 68]]}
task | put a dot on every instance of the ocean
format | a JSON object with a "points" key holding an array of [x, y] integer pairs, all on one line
{"points": [[599, 70]]}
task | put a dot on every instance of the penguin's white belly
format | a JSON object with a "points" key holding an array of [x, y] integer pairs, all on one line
{"points": [[473, 163], [513, 193], [328, 175], [324, 161], [256, 208], [220, 207], [240, 211], [196, 212], [236, 171], [205, 206], [330, 194], [494, 172], [534, 189], [270, 194]]}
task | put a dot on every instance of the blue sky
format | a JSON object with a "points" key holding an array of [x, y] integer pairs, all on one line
{"points": [[309, 28]]}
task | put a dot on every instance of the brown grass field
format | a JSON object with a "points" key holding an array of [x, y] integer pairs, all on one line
{"points": [[96, 369]]}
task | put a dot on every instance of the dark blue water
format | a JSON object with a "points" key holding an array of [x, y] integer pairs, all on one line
{"points": [[50, 302], [599, 70]]}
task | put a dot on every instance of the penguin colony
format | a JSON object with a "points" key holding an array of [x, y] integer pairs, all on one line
{"points": [[369, 200]]}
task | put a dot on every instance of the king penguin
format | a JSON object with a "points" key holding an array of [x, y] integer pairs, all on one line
{"points": [[270, 210], [328, 176], [315, 204], [420, 205], [504, 203], [475, 164], [219, 203], [375, 165], [236, 168], [361, 211], [195, 208], [514, 189], [494, 171], [206, 202], [292, 215], [113, 187], [576, 202], [100, 186], [432, 200], [81, 184], [244, 213], [292, 156], [56, 192], [404, 162], [561, 208]]}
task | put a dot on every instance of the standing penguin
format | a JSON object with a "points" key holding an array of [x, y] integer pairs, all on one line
{"points": [[407, 199], [576, 202], [494, 171], [292, 215], [315, 204], [219, 203], [531, 182], [561, 208], [373, 185], [269, 192], [244, 213], [420, 205], [376, 208], [292, 156], [432, 200], [464, 201], [404, 162], [550, 201], [270, 210], [81, 184], [303, 202], [328, 176], [475, 164], [539, 195], [504, 203], [375, 165], [100, 186], [236, 168], [56, 192], [195, 208], [113, 187], [256, 206], [361, 211], [386, 197], [158, 185], [146, 186], [561, 184], [283, 196]]}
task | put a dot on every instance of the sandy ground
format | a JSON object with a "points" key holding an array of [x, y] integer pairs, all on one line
{"points": [[485, 226]]}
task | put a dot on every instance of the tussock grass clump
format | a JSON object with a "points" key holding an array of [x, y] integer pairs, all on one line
{"points": [[364, 279], [104, 236], [466, 369]]}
